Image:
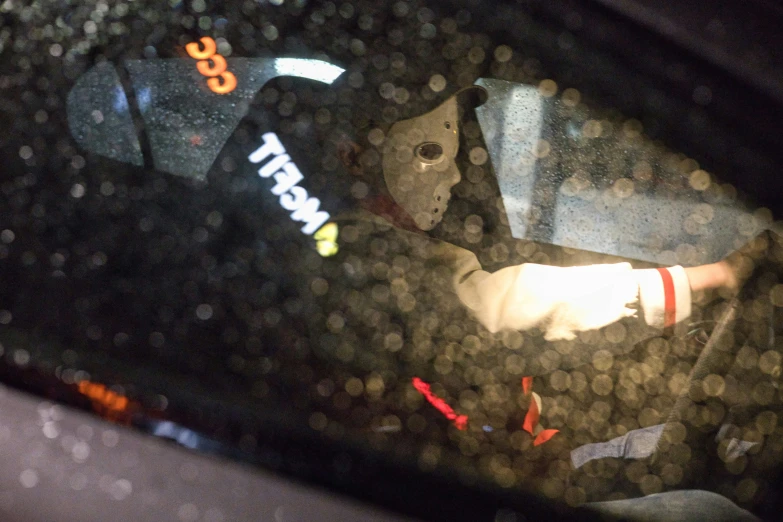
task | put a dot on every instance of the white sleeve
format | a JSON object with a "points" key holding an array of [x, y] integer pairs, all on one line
{"points": [[563, 301], [664, 295]]}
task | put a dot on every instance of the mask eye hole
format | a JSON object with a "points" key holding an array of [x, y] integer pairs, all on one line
{"points": [[430, 152], [447, 125]]}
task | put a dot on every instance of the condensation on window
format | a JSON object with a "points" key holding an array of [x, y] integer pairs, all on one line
{"points": [[152, 268]]}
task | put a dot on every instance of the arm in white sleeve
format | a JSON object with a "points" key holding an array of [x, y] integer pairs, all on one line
{"points": [[563, 301], [664, 295]]}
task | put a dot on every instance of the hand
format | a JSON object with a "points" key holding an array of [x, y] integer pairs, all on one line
{"points": [[739, 265], [726, 277], [720, 277]]}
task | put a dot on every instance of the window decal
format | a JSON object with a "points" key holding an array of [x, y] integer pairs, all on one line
{"points": [[220, 80], [286, 174], [326, 240], [175, 109]]}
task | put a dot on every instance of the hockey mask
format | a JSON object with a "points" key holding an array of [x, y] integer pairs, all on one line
{"points": [[419, 158]]}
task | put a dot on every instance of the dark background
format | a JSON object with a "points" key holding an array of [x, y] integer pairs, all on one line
{"points": [[653, 62]]}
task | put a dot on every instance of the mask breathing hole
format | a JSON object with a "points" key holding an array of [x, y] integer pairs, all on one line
{"points": [[429, 151]]}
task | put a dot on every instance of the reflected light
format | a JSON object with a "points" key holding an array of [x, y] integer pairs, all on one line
{"points": [[106, 402], [533, 415], [120, 100], [305, 68], [326, 240], [144, 97], [189, 439], [460, 421]]}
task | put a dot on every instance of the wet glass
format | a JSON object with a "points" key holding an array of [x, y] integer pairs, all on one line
{"points": [[233, 224]]}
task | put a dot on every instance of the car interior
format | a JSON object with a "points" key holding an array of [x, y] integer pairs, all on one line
{"points": [[242, 245]]}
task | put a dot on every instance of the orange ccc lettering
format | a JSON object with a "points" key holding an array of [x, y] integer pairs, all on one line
{"points": [[212, 65]]}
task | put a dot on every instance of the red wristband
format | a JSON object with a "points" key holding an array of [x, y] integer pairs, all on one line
{"points": [[670, 303]]}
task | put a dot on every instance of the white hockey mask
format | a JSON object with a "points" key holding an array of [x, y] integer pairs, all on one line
{"points": [[418, 159]]}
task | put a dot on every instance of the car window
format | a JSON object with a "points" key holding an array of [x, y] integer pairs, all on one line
{"points": [[347, 224]]}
